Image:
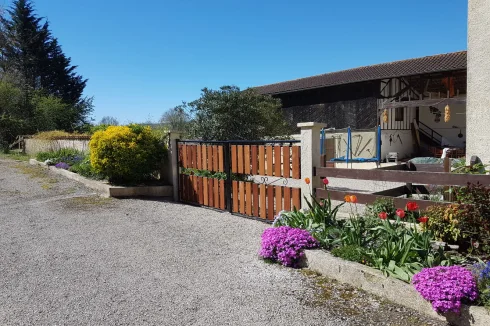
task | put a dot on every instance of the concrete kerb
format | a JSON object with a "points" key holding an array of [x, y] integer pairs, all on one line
{"points": [[373, 281], [107, 190]]}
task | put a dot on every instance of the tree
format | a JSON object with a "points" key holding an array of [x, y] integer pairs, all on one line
{"points": [[232, 114], [109, 121], [32, 60], [176, 119]]}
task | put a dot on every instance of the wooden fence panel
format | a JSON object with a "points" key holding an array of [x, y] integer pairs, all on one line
{"points": [[220, 159], [278, 191], [199, 188], [241, 191], [210, 158], [262, 160], [240, 158], [286, 161], [210, 192], [254, 159], [184, 156], [199, 157], [234, 164], [255, 195], [270, 202], [246, 158], [287, 198], [204, 154], [235, 196], [296, 162], [222, 204], [277, 161], [297, 198], [216, 193], [194, 156], [248, 198], [205, 191], [269, 161], [215, 158], [263, 204]]}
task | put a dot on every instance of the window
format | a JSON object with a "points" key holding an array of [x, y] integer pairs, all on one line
{"points": [[399, 114]]}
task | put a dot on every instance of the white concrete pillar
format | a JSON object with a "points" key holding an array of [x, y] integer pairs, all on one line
{"points": [[310, 157], [478, 89], [174, 161]]}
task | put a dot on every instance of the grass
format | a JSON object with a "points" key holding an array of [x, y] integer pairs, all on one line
{"points": [[81, 203], [15, 156], [36, 172]]}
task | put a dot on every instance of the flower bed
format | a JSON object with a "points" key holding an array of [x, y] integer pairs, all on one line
{"points": [[401, 244]]}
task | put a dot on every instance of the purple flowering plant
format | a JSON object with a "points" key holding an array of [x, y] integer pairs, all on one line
{"points": [[446, 287], [62, 165], [481, 273], [286, 244]]}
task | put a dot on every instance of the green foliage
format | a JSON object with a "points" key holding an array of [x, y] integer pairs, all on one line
{"points": [[229, 113], [460, 167], [444, 222], [381, 205], [350, 252], [84, 168], [204, 173], [69, 156], [320, 219], [126, 154]]}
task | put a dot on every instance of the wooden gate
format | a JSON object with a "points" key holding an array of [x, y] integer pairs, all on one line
{"points": [[255, 179]]}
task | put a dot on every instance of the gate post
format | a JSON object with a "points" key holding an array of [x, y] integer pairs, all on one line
{"points": [[310, 157], [173, 156]]}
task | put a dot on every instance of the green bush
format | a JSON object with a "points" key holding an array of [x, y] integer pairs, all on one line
{"points": [[84, 168], [69, 156], [126, 154], [381, 205], [351, 253]]}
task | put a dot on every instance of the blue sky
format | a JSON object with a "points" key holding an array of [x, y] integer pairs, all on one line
{"points": [[144, 57]]}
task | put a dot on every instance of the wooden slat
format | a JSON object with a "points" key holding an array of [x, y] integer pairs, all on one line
{"points": [[199, 157], [184, 156], [432, 178], [278, 191], [363, 198], [287, 198], [210, 157], [204, 154], [235, 196], [194, 156], [277, 161], [286, 161], [215, 158], [248, 198], [210, 192], [216, 192], [241, 193], [269, 161], [262, 160], [205, 191], [255, 198], [220, 159], [246, 158], [195, 197], [199, 188], [222, 204], [234, 164], [297, 198], [263, 202], [240, 158], [296, 162], [189, 155], [254, 159], [270, 202]]}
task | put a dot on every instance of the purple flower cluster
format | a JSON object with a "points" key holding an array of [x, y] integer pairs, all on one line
{"points": [[285, 244], [446, 287], [62, 165]]}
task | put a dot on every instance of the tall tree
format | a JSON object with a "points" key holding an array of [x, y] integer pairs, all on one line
{"points": [[232, 114]]}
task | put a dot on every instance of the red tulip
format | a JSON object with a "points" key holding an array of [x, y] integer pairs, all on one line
{"points": [[412, 206], [325, 181], [400, 213], [383, 215], [423, 219], [353, 199]]}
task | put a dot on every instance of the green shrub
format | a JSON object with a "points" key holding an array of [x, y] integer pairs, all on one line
{"points": [[351, 253], [126, 154], [381, 205], [84, 168], [444, 222], [69, 156]]}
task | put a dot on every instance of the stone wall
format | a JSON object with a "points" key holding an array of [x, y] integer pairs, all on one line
{"points": [[34, 146]]}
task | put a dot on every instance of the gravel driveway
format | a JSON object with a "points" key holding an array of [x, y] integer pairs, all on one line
{"points": [[69, 257]]}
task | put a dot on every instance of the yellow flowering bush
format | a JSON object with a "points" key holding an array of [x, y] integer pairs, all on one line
{"points": [[126, 153]]}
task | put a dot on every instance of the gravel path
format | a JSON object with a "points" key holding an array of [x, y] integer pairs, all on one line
{"points": [[72, 258]]}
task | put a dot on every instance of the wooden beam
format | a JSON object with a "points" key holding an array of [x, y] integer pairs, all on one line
{"points": [[363, 198], [432, 178]]}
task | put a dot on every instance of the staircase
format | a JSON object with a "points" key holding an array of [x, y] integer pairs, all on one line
{"points": [[429, 139]]}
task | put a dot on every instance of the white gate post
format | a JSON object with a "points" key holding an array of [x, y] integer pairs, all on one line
{"points": [[310, 157]]}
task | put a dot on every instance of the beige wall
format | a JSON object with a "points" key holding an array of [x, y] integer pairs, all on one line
{"points": [[34, 146], [478, 93], [450, 134]]}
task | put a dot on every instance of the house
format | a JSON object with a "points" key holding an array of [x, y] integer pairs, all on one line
{"points": [[407, 98]]}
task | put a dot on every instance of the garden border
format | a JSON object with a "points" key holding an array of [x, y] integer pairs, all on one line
{"points": [[107, 190], [373, 281]]}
